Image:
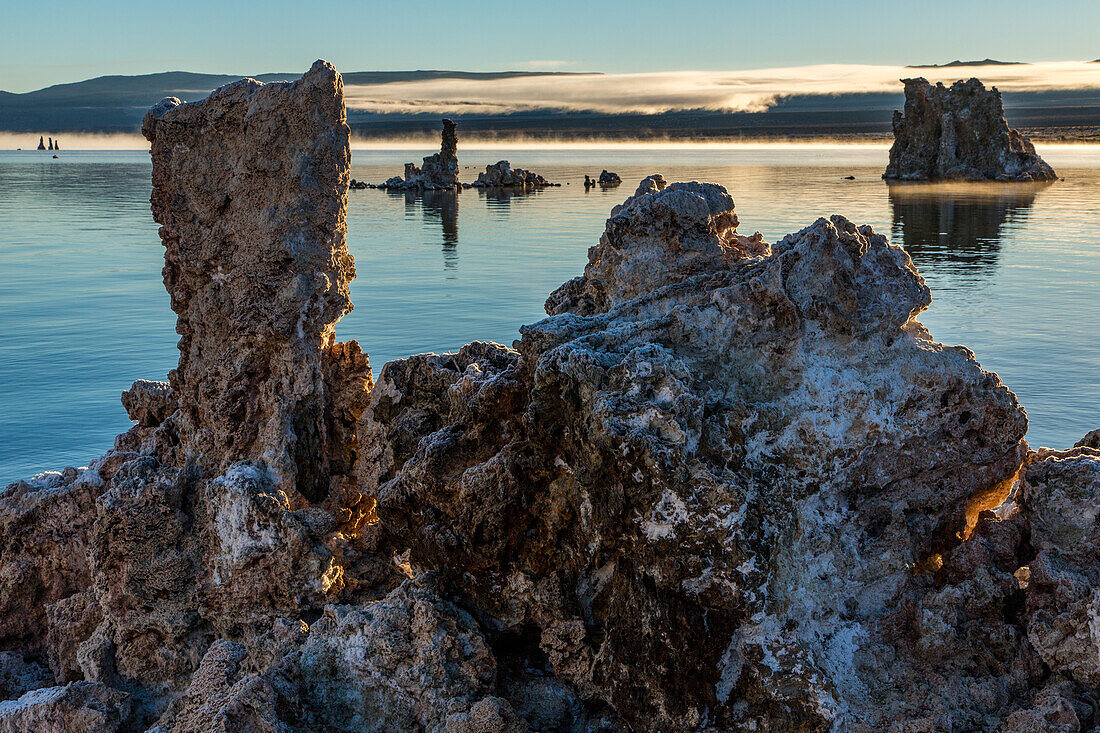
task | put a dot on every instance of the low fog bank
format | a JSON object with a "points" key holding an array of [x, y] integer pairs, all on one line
{"points": [[755, 90]]}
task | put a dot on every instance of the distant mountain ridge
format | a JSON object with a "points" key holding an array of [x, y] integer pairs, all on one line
{"points": [[116, 104], [956, 62]]}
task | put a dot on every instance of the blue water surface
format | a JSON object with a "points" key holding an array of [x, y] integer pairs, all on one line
{"points": [[1014, 270]]}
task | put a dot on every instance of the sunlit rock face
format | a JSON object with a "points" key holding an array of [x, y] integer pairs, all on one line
{"points": [[661, 235], [959, 132], [258, 272], [697, 487]]}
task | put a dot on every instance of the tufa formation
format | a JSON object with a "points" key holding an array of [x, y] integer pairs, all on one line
{"points": [[724, 486], [440, 172], [959, 133]]}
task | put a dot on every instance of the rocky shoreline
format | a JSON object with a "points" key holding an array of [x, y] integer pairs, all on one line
{"points": [[724, 485]]}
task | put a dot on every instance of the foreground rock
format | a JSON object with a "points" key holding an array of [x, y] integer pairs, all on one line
{"points": [[226, 512], [258, 275], [734, 454], [503, 175], [726, 485], [88, 707], [959, 132]]}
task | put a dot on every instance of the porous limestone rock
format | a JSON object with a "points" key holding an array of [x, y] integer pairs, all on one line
{"points": [[226, 511], [19, 676], [959, 132], [724, 486], [697, 488], [44, 529], [411, 661], [440, 171], [662, 234], [502, 175], [220, 699], [250, 189], [88, 707], [1060, 502], [149, 403]]}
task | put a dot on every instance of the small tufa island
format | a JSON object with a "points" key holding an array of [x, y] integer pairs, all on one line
{"points": [[726, 485], [959, 133], [439, 172]]}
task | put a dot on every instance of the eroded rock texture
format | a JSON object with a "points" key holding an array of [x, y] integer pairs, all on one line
{"points": [[661, 235], [698, 487], [440, 171], [258, 273], [959, 132], [227, 513], [725, 486]]}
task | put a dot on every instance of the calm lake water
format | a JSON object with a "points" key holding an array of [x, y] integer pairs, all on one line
{"points": [[1014, 270]]}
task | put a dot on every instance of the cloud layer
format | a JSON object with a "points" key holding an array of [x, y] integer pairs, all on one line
{"points": [[748, 91]]}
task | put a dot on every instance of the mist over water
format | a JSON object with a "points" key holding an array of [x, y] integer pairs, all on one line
{"points": [[746, 90], [1014, 270]]}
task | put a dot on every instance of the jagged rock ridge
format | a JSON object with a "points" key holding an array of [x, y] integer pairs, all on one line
{"points": [[959, 132], [726, 485]]}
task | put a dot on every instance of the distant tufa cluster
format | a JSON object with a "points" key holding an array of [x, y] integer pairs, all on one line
{"points": [[439, 172]]}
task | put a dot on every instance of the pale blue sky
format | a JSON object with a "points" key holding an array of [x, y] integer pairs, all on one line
{"points": [[44, 43]]}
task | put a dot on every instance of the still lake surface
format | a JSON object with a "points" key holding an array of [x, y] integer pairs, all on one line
{"points": [[1014, 269]]}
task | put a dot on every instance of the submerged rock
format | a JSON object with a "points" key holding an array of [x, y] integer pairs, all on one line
{"points": [[959, 132], [608, 179], [725, 485]]}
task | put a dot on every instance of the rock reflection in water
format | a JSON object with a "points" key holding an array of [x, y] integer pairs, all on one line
{"points": [[501, 198], [438, 207], [958, 227]]}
